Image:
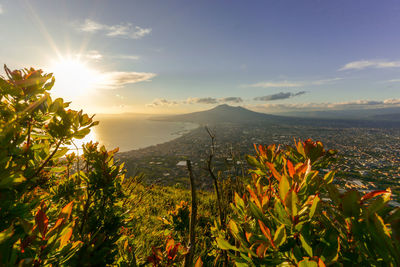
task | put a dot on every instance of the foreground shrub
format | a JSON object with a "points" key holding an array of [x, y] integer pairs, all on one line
{"points": [[294, 215], [51, 210]]}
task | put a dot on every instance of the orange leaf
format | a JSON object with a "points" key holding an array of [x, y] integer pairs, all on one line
{"points": [[274, 171], [66, 237], [266, 232], [321, 263], [290, 168], [248, 235], [254, 197], [199, 263], [170, 244], [56, 225], [66, 211]]}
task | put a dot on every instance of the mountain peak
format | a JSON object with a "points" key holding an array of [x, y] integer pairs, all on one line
{"points": [[223, 113], [227, 107]]}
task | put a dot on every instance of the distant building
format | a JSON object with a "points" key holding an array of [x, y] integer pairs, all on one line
{"points": [[181, 163]]}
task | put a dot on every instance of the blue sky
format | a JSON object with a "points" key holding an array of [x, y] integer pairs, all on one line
{"points": [[179, 56]]}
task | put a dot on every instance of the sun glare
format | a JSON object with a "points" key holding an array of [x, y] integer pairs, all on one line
{"points": [[74, 78]]}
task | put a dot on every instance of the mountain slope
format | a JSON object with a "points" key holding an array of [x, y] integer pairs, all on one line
{"points": [[229, 114]]}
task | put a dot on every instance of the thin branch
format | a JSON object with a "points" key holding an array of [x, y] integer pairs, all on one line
{"points": [[192, 233], [77, 159], [47, 160]]}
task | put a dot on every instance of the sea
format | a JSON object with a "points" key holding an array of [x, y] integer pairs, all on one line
{"points": [[133, 132]]}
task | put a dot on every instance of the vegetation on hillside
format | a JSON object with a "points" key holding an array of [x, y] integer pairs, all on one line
{"points": [[62, 209]]}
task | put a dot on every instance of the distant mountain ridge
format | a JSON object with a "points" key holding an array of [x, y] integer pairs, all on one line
{"points": [[231, 114], [390, 113]]}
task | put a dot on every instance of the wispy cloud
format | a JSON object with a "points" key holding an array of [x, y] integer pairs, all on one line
{"points": [[393, 81], [124, 30], [324, 81], [279, 96], [118, 79], [1, 9], [127, 57], [158, 102], [287, 84], [93, 55], [377, 64], [97, 56], [276, 84]]}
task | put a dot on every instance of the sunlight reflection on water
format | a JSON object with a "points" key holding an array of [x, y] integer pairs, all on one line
{"points": [[79, 142]]}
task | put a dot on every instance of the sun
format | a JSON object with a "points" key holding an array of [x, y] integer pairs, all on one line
{"points": [[74, 78]]}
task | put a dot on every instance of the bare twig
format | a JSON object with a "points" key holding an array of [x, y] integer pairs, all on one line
{"points": [[192, 233], [215, 180], [217, 191]]}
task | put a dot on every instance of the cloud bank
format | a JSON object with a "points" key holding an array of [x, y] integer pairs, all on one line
{"points": [[124, 30], [195, 100], [348, 105]]}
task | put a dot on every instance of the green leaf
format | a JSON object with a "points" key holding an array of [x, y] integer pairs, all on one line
{"points": [[314, 206], [350, 204], [252, 161], [328, 178], [81, 133], [11, 180], [233, 227], [291, 202], [60, 152], [306, 246], [255, 211], [307, 263], [284, 186], [223, 244], [6, 234], [280, 235]]}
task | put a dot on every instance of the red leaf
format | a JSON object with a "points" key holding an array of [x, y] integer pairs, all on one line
{"points": [[42, 222], [261, 250], [374, 194]]}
